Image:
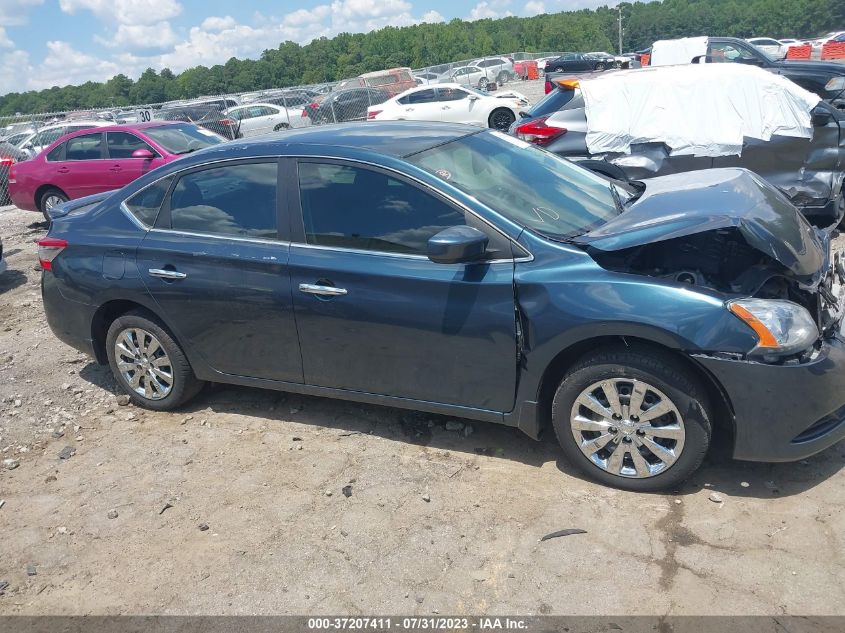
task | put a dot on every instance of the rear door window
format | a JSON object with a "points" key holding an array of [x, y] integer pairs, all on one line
{"points": [[85, 147], [146, 204], [230, 200]]}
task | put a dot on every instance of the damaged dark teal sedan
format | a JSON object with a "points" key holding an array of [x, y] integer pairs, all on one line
{"points": [[464, 272]]}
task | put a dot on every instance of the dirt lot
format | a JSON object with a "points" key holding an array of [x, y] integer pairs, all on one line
{"points": [[438, 520]]}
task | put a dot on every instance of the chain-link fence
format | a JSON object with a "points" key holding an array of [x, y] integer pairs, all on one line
{"points": [[254, 113]]}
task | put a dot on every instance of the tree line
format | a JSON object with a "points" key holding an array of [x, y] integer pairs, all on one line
{"points": [[347, 55]]}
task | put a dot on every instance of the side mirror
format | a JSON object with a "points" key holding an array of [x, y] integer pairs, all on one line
{"points": [[474, 97], [457, 244], [820, 117], [143, 153]]}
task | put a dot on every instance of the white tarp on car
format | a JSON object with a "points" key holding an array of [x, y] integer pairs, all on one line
{"points": [[681, 51], [698, 109]]}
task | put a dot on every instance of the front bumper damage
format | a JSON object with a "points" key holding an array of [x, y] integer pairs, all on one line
{"points": [[789, 411]]}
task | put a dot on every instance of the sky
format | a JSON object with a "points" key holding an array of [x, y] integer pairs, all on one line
{"points": [[45, 43]]}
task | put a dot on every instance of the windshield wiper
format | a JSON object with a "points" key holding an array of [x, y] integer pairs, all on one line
{"points": [[617, 199]]}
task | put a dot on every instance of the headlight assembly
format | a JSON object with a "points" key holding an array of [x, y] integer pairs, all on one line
{"points": [[782, 327]]}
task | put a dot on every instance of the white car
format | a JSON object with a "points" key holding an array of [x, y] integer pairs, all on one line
{"points": [[427, 77], [499, 68], [791, 42], [452, 103], [262, 118], [470, 76], [37, 141], [770, 46]]}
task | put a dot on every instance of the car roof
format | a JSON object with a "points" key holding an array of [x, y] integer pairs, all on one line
{"points": [[391, 138]]}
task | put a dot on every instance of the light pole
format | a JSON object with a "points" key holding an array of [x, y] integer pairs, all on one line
{"points": [[619, 10]]}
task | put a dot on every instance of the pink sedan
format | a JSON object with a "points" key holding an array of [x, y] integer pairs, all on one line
{"points": [[92, 161]]}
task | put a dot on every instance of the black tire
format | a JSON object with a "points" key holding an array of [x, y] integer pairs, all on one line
{"points": [[658, 369], [482, 83], [501, 119], [600, 66], [184, 384], [503, 77], [281, 126], [44, 200], [559, 69]]}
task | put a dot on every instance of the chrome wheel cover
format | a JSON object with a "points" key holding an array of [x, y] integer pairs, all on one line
{"points": [[627, 427], [52, 201], [143, 363]]}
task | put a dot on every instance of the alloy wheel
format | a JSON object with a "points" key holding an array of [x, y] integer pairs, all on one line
{"points": [[143, 363], [52, 201], [502, 120], [627, 427]]}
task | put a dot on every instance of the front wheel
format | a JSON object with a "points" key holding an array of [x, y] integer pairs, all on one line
{"points": [[148, 363], [600, 66], [633, 418], [501, 119], [281, 126], [482, 83]]}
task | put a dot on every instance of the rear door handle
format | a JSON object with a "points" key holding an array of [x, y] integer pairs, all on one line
{"points": [[446, 108], [326, 291], [116, 168], [63, 170], [166, 274]]}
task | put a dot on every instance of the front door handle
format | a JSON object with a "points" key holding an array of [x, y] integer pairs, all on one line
{"points": [[116, 168], [63, 170], [326, 291], [166, 274], [446, 108]]}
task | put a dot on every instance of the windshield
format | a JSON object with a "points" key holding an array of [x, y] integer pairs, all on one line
{"points": [[525, 184], [181, 139]]}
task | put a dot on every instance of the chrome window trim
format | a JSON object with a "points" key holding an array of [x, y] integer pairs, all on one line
{"points": [[236, 238], [425, 185]]}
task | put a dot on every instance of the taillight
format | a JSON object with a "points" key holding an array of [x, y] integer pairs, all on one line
{"points": [[548, 87], [6, 161], [48, 249], [12, 180], [372, 114], [228, 122], [538, 132]]}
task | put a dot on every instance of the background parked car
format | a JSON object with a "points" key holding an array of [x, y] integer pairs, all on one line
{"points": [[771, 47], [611, 61], [210, 118], [345, 105], [37, 141], [453, 103], [392, 81], [263, 118], [9, 155], [499, 68], [808, 171], [425, 78], [471, 76], [575, 62], [88, 162]]}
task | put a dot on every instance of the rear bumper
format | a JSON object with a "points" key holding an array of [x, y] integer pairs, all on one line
{"points": [[69, 320], [786, 412]]}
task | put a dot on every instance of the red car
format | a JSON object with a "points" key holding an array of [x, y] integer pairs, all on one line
{"points": [[101, 159]]}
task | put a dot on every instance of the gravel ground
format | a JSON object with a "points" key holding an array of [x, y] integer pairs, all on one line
{"points": [[235, 505]]}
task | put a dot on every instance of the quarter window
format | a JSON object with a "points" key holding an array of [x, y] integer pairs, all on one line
{"points": [[123, 144], [56, 154], [355, 207], [234, 200], [85, 147], [145, 204]]}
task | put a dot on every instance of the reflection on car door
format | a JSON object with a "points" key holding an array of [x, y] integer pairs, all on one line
{"points": [[375, 315], [122, 168], [215, 263]]}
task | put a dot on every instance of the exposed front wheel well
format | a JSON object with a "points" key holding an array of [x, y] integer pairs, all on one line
{"points": [[722, 410], [104, 317]]}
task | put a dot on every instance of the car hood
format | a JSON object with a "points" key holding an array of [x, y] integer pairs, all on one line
{"points": [[700, 201], [810, 65]]}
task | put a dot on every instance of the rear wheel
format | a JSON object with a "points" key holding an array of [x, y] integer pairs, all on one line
{"points": [[634, 418], [281, 126], [503, 77], [50, 198], [482, 83], [501, 119], [559, 69], [149, 364], [600, 66]]}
